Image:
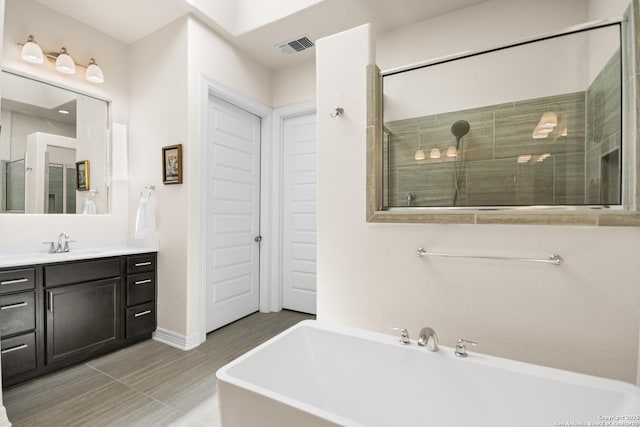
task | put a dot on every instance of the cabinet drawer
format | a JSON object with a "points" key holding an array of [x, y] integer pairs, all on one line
{"points": [[17, 313], [84, 271], [141, 320], [141, 263], [18, 354], [141, 288], [17, 280]]}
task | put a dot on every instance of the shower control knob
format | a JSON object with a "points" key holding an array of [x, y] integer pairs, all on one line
{"points": [[258, 239]]}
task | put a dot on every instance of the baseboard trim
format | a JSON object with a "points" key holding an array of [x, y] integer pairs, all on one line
{"points": [[174, 339], [4, 420]]}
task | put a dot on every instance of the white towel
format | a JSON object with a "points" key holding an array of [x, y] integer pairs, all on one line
{"points": [[145, 218], [89, 207]]}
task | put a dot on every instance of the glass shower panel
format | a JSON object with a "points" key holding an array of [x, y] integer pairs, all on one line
{"points": [[15, 186], [56, 200], [71, 190]]}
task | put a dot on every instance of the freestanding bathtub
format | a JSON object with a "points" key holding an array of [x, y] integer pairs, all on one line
{"points": [[317, 374]]}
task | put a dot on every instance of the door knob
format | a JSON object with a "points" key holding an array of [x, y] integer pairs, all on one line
{"points": [[258, 239]]}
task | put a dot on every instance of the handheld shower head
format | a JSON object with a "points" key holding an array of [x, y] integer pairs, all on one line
{"points": [[460, 129]]}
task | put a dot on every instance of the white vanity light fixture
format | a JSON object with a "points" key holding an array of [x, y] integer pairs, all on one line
{"points": [[543, 157], [524, 158], [452, 151], [562, 125], [65, 63], [31, 52], [545, 126], [94, 73], [435, 153], [549, 120]]}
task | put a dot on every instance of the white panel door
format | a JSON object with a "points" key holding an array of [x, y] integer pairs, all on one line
{"points": [[233, 213], [299, 214]]}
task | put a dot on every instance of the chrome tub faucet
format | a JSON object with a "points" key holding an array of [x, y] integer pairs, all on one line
{"points": [[428, 338]]}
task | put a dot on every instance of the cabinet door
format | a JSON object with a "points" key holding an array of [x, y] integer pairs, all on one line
{"points": [[82, 319]]}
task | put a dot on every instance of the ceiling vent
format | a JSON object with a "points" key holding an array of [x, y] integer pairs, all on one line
{"points": [[296, 45]]}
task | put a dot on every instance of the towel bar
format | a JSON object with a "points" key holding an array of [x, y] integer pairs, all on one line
{"points": [[554, 259]]}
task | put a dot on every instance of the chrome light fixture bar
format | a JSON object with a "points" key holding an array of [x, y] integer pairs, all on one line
{"points": [[33, 53]]}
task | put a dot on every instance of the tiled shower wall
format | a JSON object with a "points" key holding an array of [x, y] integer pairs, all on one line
{"points": [[489, 173], [604, 136]]}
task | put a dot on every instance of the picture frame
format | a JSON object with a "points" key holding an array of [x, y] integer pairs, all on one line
{"points": [[82, 176], [172, 164]]}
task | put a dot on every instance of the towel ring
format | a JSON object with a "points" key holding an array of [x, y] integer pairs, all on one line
{"points": [[92, 193], [149, 188]]}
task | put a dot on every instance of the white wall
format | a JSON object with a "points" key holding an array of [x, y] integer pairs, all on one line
{"points": [[295, 84], [581, 316], [476, 28], [166, 109], [547, 68], [158, 94], [53, 30]]}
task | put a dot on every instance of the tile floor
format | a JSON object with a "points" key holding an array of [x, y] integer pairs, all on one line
{"points": [[147, 384]]}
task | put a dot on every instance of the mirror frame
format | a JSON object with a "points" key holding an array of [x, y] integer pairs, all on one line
{"points": [[628, 215]]}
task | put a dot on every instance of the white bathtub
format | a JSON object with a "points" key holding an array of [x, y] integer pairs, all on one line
{"points": [[316, 374]]}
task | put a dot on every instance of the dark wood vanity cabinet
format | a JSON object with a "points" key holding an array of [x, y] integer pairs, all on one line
{"points": [[54, 315]]}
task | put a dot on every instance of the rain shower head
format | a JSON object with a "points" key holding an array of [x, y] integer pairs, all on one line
{"points": [[460, 128]]}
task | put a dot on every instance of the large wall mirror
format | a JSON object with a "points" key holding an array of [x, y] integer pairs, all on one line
{"points": [[535, 124], [541, 131], [54, 149]]}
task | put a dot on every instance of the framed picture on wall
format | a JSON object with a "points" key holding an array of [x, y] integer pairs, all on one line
{"points": [[172, 164], [82, 175]]}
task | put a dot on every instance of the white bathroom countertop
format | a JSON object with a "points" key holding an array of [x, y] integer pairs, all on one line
{"points": [[20, 255]]}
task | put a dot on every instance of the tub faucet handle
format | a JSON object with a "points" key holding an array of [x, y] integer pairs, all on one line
{"points": [[461, 349], [404, 335]]}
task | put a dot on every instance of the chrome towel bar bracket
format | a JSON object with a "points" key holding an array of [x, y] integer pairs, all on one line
{"points": [[554, 259]]}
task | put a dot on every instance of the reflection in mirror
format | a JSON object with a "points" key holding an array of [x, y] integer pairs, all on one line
{"points": [[44, 131], [536, 124]]}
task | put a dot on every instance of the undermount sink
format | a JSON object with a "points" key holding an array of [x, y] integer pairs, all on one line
{"points": [[78, 252], [7, 259]]}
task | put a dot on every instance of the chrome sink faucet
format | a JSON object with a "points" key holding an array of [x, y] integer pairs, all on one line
{"points": [[428, 335], [60, 248]]}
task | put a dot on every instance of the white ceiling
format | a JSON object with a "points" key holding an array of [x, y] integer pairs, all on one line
{"points": [[130, 20]]}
